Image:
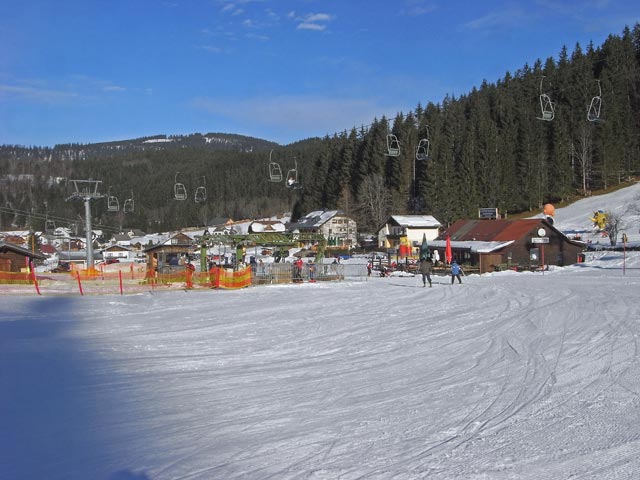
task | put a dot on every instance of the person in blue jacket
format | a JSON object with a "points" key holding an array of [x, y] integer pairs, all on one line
{"points": [[455, 272]]}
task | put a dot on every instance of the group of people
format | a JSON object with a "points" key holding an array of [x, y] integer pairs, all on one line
{"points": [[298, 269], [426, 266]]}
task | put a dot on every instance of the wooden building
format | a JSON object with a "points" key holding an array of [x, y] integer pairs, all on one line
{"points": [[490, 245], [170, 255], [404, 233], [14, 258]]}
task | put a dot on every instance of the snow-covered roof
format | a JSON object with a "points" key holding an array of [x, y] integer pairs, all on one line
{"points": [[416, 221], [267, 226], [474, 246], [317, 218], [155, 239]]}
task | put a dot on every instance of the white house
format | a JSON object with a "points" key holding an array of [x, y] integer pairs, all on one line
{"points": [[335, 225], [118, 253], [405, 232]]}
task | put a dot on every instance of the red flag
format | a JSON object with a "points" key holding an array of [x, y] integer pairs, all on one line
{"points": [[447, 252]]}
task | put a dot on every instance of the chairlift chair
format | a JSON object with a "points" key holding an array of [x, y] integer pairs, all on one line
{"points": [[201, 192], [546, 105], [393, 146], [292, 178], [275, 172], [179, 190], [422, 150], [113, 205], [49, 226], [129, 205], [593, 112]]}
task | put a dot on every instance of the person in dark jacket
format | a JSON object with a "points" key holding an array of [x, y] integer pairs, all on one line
{"points": [[455, 272], [425, 270]]}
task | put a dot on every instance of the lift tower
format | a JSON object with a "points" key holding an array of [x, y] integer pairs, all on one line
{"points": [[87, 190]]}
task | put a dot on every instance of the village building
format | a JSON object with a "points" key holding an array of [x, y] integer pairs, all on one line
{"points": [[403, 234], [17, 237], [339, 229], [14, 258], [267, 226], [490, 245], [170, 255], [218, 221], [118, 254], [121, 239]]}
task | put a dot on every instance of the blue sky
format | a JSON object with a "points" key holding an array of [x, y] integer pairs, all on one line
{"points": [[283, 70]]}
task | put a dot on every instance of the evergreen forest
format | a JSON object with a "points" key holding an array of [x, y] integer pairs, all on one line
{"points": [[548, 132]]}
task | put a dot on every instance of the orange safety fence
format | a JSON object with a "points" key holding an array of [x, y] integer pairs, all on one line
{"points": [[219, 277], [136, 279], [16, 278]]}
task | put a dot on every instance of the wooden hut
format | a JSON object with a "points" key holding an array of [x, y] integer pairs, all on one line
{"points": [[14, 258]]}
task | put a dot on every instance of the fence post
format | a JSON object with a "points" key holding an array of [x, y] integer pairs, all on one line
{"points": [[79, 283], [35, 278], [120, 277]]}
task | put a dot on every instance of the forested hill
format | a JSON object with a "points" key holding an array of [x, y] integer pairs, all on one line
{"points": [[76, 151], [490, 148], [546, 132]]}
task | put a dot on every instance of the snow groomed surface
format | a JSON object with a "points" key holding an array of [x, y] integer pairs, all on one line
{"points": [[509, 375]]}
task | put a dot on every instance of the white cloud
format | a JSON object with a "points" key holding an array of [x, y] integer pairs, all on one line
{"points": [[499, 19], [416, 8], [79, 88], [33, 93], [318, 17], [311, 26], [314, 21], [255, 36]]}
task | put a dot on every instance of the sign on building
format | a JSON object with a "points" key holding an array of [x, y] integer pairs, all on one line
{"points": [[488, 213]]}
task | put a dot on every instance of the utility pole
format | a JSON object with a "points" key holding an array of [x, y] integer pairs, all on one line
{"points": [[87, 190]]}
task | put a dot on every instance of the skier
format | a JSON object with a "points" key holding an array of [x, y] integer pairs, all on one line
{"points": [[312, 271], [455, 272], [425, 270]]}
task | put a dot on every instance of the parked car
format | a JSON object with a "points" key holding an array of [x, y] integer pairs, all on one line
{"points": [[62, 267]]}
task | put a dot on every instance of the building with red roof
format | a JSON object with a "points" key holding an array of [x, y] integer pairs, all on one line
{"points": [[490, 245]]}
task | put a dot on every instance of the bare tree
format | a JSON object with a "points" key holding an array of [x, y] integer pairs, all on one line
{"points": [[374, 199], [582, 154], [612, 227]]}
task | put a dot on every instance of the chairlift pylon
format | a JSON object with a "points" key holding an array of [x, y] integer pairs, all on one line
{"points": [[113, 205], [201, 192], [546, 105], [393, 146], [129, 205], [593, 111], [275, 172], [179, 190]]}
